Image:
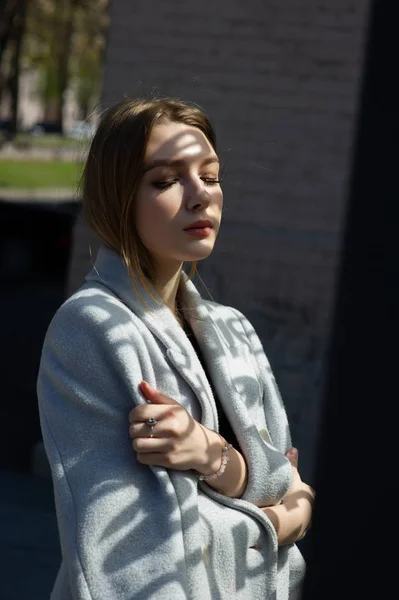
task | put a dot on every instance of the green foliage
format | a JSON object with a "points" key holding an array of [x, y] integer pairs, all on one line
{"points": [[64, 41], [39, 174]]}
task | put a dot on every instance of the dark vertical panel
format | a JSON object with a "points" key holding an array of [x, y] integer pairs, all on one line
{"points": [[35, 242], [355, 530]]}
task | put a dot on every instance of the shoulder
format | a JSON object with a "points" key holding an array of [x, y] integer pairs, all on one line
{"points": [[93, 311], [91, 334], [226, 312]]}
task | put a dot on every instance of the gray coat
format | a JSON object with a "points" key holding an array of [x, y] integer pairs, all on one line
{"points": [[130, 531]]}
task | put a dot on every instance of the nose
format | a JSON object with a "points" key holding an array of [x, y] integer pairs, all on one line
{"points": [[197, 197]]}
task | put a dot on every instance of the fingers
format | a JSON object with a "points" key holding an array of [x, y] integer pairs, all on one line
{"points": [[162, 429], [158, 401], [158, 459], [292, 455], [312, 492], [145, 445], [146, 411], [166, 442], [155, 396]]}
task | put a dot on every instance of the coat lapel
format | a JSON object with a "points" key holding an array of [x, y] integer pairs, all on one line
{"points": [[225, 348], [110, 271], [222, 342]]}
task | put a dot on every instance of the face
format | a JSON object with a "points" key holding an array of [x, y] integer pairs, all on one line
{"points": [[179, 202]]}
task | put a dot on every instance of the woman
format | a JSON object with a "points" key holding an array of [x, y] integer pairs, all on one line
{"points": [[207, 505]]}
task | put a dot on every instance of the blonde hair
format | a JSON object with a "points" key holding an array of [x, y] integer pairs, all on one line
{"points": [[113, 171]]}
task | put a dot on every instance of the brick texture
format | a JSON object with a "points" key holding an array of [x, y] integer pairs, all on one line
{"points": [[280, 81]]}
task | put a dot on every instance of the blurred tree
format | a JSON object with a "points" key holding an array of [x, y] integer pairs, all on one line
{"points": [[88, 53], [12, 27], [19, 29], [63, 42], [8, 11]]}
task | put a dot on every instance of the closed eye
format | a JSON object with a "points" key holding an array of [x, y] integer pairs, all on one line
{"points": [[210, 180], [163, 185]]}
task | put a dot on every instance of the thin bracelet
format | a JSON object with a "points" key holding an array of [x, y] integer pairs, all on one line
{"points": [[225, 459]]}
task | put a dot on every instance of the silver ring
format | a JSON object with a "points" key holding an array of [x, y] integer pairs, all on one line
{"points": [[151, 424]]}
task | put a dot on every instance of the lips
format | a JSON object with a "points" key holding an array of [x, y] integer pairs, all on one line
{"points": [[199, 225]]}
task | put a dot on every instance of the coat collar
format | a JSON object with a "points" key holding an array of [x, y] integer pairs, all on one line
{"points": [[219, 339], [110, 271]]}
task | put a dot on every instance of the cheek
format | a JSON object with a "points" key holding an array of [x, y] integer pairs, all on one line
{"points": [[152, 214], [217, 200]]}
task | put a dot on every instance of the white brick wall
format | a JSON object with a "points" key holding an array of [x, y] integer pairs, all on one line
{"points": [[280, 81]]}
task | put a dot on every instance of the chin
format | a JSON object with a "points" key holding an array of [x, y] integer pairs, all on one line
{"points": [[199, 254]]}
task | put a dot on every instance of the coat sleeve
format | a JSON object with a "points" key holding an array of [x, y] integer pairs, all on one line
{"points": [[119, 525]]}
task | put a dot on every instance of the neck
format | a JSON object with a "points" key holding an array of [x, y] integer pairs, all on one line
{"points": [[167, 285]]}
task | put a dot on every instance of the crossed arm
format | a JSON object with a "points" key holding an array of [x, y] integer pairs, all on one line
{"points": [[179, 442]]}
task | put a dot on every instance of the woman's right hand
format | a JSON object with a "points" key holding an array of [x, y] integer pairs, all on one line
{"points": [[292, 518]]}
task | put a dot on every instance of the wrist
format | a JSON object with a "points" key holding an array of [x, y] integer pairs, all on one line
{"points": [[300, 514], [224, 469], [291, 519], [223, 463], [286, 522], [210, 458]]}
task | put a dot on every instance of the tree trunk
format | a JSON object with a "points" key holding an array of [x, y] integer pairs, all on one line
{"points": [[64, 56], [8, 11], [16, 66]]}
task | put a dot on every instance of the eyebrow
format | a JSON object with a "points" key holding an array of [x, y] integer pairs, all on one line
{"points": [[162, 162]]}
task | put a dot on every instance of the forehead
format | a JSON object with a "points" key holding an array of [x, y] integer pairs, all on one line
{"points": [[172, 141]]}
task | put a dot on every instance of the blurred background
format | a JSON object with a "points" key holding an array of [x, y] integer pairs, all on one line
{"points": [[51, 64], [280, 81], [51, 57]]}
